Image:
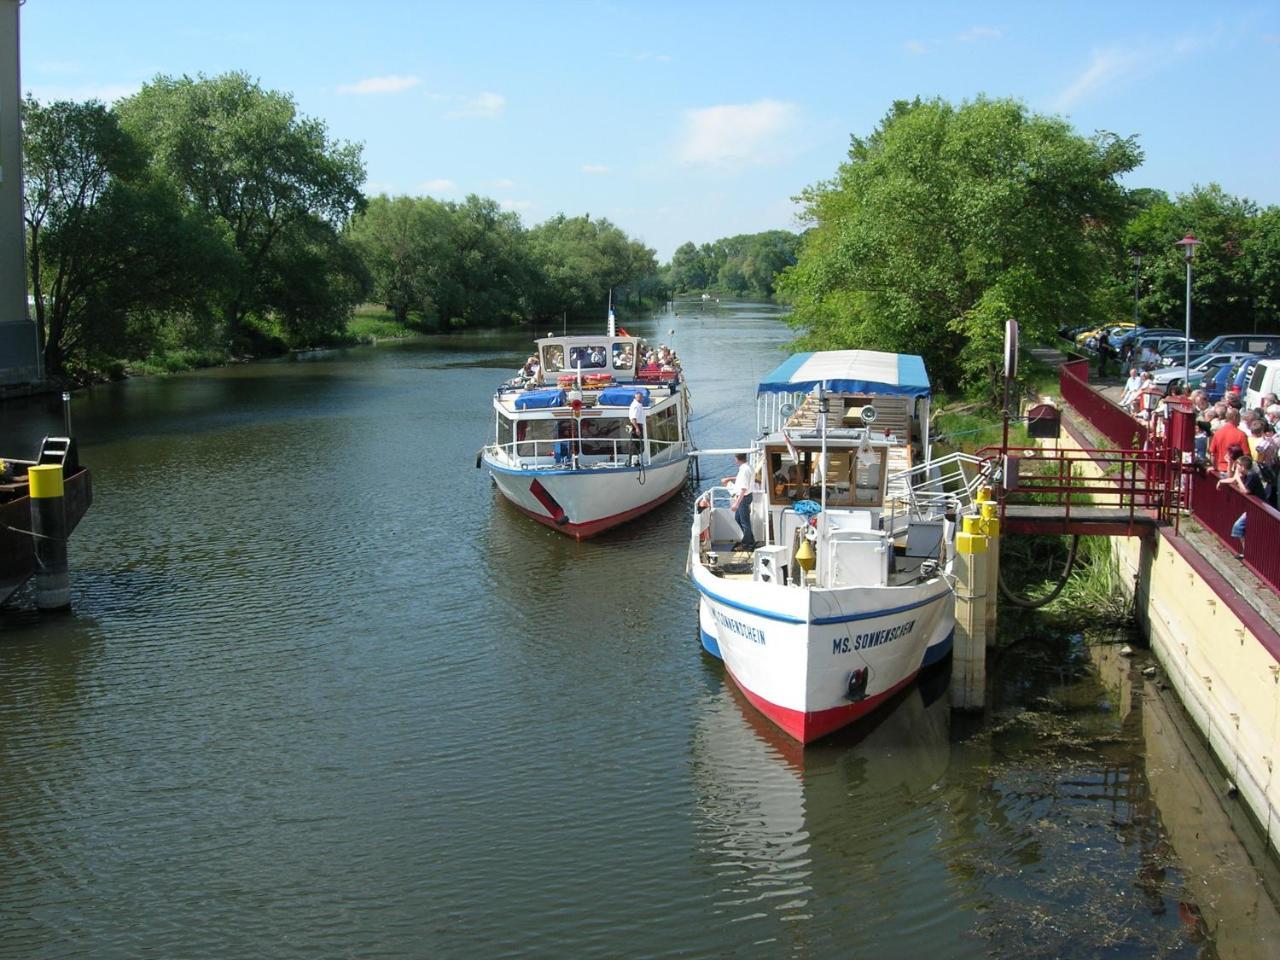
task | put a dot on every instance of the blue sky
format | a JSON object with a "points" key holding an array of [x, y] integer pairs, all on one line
{"points": [[689, 121]]}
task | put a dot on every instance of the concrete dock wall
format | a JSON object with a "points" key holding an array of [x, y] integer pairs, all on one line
{"points": [[1218, 652]]}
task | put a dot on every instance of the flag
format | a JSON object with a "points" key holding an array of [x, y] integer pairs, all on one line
{"points": [[622, 332], [791, 447]]}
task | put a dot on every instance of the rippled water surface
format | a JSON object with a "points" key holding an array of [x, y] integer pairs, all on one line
{"points": [[323, 694]]}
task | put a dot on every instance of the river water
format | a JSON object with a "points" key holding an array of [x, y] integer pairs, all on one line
{"points": [[323, 694]]}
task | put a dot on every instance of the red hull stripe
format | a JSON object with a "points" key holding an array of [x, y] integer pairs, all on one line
{"points": [[807, 727], [582, 531], [544, 497]]}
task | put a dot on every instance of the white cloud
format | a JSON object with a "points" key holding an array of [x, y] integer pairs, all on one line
{"points": [[392, 84], [1114, 65], [594, 168], [1106, 67], [979, 33], [516, 205], [739, 133], [482, 105], [438, 186], [971, 35]]}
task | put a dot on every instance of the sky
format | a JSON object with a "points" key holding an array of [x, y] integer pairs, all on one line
{"points": [[689, 121]]}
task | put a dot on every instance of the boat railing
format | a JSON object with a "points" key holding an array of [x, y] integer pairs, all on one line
{"points": [[585, 451], [929, 489]]}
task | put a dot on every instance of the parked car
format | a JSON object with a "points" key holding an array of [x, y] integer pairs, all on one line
{"points": [[1201, 368], [1264, 378], [1174, 353], [1262, 344], [1129, 338], [1147, 350], [1089, 338]]}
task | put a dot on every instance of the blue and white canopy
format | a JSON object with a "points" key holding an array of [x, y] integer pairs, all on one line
{"points": [[849, 371]]}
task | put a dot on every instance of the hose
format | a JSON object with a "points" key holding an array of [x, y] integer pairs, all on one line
{"points": [[1029, 603]]}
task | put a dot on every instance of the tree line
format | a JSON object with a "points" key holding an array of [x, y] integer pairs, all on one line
{"points": [[945, 221], [207, 218], [746, 265]]}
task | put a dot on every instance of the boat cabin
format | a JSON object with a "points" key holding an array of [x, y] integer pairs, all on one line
{"points": [[574, 413]]}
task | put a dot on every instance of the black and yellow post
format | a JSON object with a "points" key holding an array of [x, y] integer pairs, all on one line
{"points": [[49, 524]]}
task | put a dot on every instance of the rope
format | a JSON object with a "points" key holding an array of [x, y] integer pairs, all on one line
{"points": [[37, 536], [1035, 604]]}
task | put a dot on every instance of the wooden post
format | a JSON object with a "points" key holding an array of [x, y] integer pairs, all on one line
{"points": [[49, 524], [969, 653]]}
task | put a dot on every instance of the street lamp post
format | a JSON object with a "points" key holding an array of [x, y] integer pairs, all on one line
{"points": [[1137, 267], [1188, 245]]}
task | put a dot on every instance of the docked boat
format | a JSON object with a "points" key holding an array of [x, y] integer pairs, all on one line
{"points": [[565, 451], [842, 593], [17, 544]]}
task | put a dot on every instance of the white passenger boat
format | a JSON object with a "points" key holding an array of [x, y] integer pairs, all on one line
{"points": [[847, 592], [563, 449]]}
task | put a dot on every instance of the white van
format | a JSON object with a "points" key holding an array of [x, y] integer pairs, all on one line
{"points": [[1264, 379]]}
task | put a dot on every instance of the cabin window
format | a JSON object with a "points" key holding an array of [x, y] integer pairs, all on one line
{"points": [[624, 356], [504, 432], [868, 475], [552, 358], [599, 436], [789, 480], [537, 438], [664, 425], [588, 358]]}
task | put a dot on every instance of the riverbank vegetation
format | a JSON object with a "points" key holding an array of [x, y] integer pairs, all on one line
{"points": [[947, 220], [747, 265], [202, 220]]}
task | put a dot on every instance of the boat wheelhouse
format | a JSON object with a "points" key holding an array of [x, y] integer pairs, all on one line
{"points": [[564, 451], [846, 594]]}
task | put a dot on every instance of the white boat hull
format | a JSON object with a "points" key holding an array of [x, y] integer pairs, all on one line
{"points": [[582, 503], [815, 660]]}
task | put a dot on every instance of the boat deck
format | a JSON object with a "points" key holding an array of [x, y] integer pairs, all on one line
{"points": [[736, 564]]}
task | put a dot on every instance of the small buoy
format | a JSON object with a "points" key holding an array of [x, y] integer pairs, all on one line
{"points": [[1126, 651], [805, 556]]}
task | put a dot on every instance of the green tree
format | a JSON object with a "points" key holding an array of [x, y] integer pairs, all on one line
{"points": [[580, 261], [946, 221], [1262, 261], [106, 244], [1223, 278], [269, 179]]}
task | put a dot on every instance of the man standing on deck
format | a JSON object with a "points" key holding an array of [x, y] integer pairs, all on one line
{"points": [[636, 414], [741, 486]]}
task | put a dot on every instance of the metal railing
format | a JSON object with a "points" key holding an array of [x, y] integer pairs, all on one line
{"points": [[1112, 420], [929, 488], [585, 451], [1217, 508], [1135, 481]]}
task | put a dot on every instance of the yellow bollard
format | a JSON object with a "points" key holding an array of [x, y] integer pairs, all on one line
{"points": [[969, 650], [991, 527]]}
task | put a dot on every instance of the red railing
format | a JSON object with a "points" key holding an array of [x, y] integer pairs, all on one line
{"points": [[1218, 508], [1114, 422], [1133, 480]]}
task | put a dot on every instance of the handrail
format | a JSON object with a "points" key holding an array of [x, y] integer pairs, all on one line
{"points": [[558, 452]]}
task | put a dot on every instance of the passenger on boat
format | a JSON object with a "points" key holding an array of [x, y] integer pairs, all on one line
{"points": [[597, 356], [741, 484], [531, 369], [635, 414], [555, 358]]}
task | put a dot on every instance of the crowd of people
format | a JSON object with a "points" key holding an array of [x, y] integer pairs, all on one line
{"points": [[1237, 443]]}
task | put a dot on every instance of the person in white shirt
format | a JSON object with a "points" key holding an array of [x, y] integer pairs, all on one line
{"points": [[741, 484], [636, 413], [1131, 387]]}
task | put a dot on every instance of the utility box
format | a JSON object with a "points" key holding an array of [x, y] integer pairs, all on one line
{"points": [[1044, 421]]}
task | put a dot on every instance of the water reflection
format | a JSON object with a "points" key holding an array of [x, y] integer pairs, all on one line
{"points": [[842, 827]]}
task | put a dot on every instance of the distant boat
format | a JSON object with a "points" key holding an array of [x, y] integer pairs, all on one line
{"points": [[846, 597], [563, 452]]}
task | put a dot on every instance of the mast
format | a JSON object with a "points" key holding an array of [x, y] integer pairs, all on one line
{"points": [[823, 403]]}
